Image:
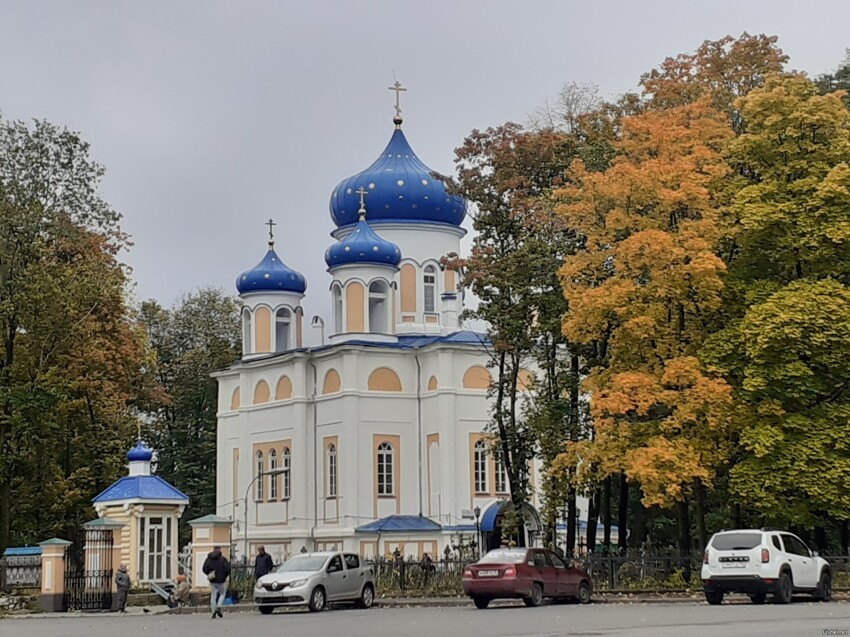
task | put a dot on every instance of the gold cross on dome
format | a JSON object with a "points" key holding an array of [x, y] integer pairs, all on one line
{"points": [[362, 192], [271, 224], [399, 89]]}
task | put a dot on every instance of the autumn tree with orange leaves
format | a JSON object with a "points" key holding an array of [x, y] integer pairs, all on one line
{"points": [[645, 285]]}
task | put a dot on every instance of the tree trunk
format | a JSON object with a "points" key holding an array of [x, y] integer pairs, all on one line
{"points": [[592, 519], [820, 539], [572, 521], [844, 532], [685, 537], [623, 514], [737, 518], [702, 534], [639, 527], [606, 514]]}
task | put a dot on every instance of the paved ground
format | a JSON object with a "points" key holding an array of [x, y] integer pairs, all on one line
{"points": [[620, 620]]}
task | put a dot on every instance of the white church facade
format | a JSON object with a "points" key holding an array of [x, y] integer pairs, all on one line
{"points": [[374, 440]]}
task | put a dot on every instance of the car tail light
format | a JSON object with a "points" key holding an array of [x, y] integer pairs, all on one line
{"points": [[467, 572], [765, 556], [510, 572], [705, 558]]}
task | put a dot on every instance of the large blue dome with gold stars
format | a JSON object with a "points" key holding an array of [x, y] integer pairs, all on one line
{"points": [[401, 189], [271, 275]]}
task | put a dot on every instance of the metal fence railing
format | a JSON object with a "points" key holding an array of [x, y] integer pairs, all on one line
{"points": [[608, 573], [20, 571]]}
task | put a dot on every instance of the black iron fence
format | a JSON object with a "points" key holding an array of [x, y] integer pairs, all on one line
{"points": [[608, 572]]}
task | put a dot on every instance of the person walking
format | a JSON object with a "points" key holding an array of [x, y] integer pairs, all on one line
{"points": [[217, 569], [263, 564], [122, 585]]}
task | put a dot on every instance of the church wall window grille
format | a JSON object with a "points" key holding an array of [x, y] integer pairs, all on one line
{"points": [[430, 288], [501, 471], [273, 480], [287, 473], [480, 467], [283, 330], [332, 471], [379, 307], [258, 489], [337, 301], [386, 462]]}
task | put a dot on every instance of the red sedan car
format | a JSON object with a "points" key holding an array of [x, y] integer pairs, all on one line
{"points": [[529, 574]]}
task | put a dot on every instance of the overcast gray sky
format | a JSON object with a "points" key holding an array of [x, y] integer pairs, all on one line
{"points": [[213, 116]]}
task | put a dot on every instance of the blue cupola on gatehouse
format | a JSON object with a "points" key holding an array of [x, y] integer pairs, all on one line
{"points": [[401, 189]]}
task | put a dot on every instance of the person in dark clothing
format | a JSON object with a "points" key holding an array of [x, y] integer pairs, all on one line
{"points": [[263, 564], [122, 586], [217, 569]]}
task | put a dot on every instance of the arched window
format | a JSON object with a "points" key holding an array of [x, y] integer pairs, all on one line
{"points": [[379, 307], [287, 473], [479, 462], [332, 471], [429, 281], [246, 331], [385, 469], [258, 489], [337, 301], [273, 479], [282, 330], [501, 474]]}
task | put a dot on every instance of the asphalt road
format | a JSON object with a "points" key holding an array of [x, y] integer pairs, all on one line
{"points": [[632, 620]]}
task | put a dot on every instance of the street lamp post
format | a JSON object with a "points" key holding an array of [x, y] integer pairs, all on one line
{"points": [[477, 512], [261, 474]]}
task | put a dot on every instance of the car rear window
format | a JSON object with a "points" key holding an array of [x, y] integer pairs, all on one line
{"points": [[736, 541], [504, 556]]}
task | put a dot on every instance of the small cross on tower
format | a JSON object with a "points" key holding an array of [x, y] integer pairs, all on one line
{"points": [[362, 192], [271, 224], [399, 89]]}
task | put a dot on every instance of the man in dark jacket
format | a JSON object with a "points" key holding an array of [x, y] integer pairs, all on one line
{"points": [[263, 564], [122, 587], [217, 569]]}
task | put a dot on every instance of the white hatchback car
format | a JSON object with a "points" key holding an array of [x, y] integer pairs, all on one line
{"points": [[762, 561], [315, 580]]}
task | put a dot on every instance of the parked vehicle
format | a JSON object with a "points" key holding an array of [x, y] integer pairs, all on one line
{"points": [[759, 562], [316, 580], [529, 574]]}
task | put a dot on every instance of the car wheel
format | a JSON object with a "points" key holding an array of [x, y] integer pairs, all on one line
{"points": [[714, 597], [758, 599], [584, 592], [784, 589], [824, 590], [481, 602], [317, 599], [367, 597], [536, 596]]}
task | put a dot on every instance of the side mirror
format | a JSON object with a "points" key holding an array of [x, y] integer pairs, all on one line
{"points": [[814, 553]]}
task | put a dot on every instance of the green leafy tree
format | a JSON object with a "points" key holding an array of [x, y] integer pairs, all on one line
{"points": [[71, 361], [189, 342]]}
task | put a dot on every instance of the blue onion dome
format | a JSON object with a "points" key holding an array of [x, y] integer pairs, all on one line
{"points": [[271, 275], [401, 188], [140, 453], [363, 245]]}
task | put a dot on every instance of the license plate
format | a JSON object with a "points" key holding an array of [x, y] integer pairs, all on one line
{"points": [[733, 565], [488, 573]]}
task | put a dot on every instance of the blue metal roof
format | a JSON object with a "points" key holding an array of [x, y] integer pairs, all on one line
{"points": [[271, 275], [22, 550], [141, 488], [363, 246], [400, 524], [401, 188]]}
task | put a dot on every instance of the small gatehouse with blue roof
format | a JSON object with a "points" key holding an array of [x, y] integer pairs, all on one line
{"points": [[144, 511]]}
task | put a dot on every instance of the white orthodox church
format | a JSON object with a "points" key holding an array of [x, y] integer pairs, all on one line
{"points": [[375, 440]]}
